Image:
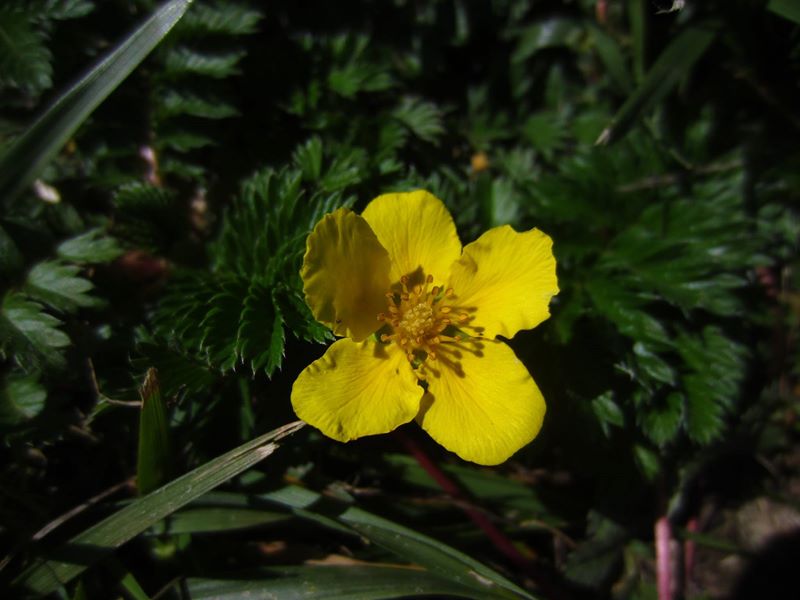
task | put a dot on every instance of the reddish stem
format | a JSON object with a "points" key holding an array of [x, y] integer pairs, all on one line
{"points": [[663, 567], [498, 538], [688, 551]]}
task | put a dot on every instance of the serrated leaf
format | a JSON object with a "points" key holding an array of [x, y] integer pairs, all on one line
{"points": [[44, 577], [662, 419], [24, 57], [154, 454], [218, 18], [66, 9], [94, 246], [176, 103], [546, 132], [259, 339], [183, 61], [308, 158], [58, 285], [647, 461], [183, 141], [22, 398], [652, 366], [29, 335], [716, 366], [23, 161], [607, 411], [423, 119], [593, 563]]}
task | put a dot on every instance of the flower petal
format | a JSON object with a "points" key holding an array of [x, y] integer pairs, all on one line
{"points": [[357, 389], [345, 275], [417, 230], [505, 281], [482, 403]]}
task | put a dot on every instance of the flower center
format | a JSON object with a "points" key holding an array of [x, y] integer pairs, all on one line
{"points": [[418, 317]]}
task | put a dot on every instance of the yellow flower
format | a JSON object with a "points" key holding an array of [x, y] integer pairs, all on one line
{"points": [[398, 271]]}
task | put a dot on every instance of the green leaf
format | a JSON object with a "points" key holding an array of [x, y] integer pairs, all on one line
{"points": [[423, 119], [612, 56], [716, 371], [608, 412], [549, 33], [30, 335], [647, 460], [358, 581], [219, 18], [11, 259], [308, 158], [184, 61], [66, 9], [788, 9], [176, 103], [46, 576], [204, 519], [90, 247], [661, 421], [56, 284], [130, 584], [154, 456], [672, 65], [31, 152], [638, 26], [22, 398], [436, 557], [24, 57], [486, 486], [546, 132], [593, 563]]}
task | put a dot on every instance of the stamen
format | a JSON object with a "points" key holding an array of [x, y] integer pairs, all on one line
{"points": [[418, 319]]}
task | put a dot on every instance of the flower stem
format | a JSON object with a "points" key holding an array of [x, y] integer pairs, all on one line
{"points": [[498, 538], [663, 536]]}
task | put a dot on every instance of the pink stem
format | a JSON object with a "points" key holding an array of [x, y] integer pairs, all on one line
{"points": [[663, 568], [688, 551], [498, 538]]}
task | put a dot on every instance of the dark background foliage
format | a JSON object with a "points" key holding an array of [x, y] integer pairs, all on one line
{"points": [[656, 142]]}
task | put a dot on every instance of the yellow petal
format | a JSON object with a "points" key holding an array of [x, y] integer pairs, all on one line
{"points": [[357, 389], [418, 231], [345, 275], [484, 406], [504, 281]]}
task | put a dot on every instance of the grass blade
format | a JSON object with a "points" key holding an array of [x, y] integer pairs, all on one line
{"points": [[154, 457], [673, 63], [788, 9], [358, 581], [31, 152], [437, 557], [46, 576]]}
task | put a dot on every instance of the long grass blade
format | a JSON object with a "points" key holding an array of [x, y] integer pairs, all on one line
{"points": [[31, 152], [46, 576]]}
